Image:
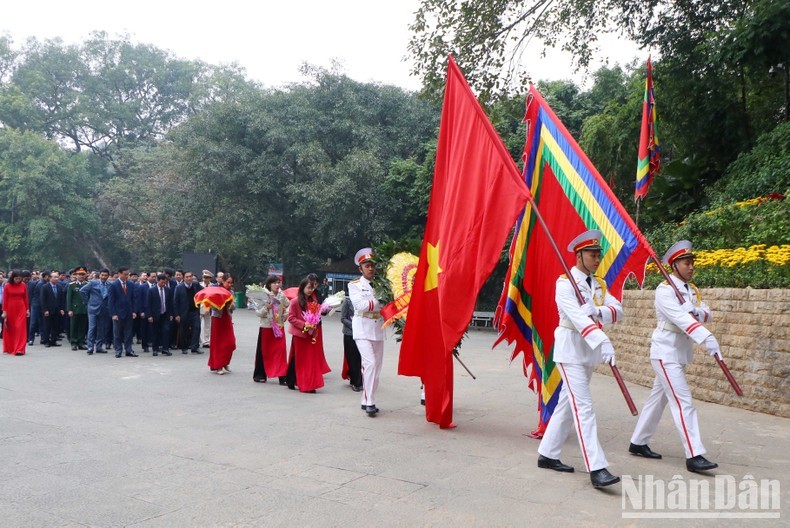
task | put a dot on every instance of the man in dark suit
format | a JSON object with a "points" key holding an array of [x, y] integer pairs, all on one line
{"points": [[53, 305], [121, 304], [160, 313], [187, 315], [34, 299]]}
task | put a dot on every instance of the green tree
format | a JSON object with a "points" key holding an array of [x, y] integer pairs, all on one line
{"points": [[46, 213]]}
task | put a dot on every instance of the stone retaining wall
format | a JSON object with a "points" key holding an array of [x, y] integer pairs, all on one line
{"points": [[753, 329]]}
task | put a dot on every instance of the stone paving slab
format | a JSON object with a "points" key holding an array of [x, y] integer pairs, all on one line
{"points": [[147, 442]]}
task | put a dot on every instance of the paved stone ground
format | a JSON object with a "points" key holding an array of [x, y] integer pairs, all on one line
{"points": [[144, 442]]}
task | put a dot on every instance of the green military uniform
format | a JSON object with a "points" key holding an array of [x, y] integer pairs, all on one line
{"points": [[78, 312]]}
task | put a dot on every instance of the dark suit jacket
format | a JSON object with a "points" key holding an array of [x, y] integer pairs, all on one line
{"points": [[51, 302], [118, 303], [184, 297], [154, 304], [141, 298], [34, 293]]}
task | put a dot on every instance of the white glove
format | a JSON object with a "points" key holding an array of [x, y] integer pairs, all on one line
{"points": [[591, 310], [713, 346], [607, 352]]}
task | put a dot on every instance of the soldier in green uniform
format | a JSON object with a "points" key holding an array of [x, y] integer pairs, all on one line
{"points": [[78, 312]]}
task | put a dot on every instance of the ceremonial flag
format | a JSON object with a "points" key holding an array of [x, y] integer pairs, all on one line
{"points": [[477, 195], [572, 197], [649, 162]]}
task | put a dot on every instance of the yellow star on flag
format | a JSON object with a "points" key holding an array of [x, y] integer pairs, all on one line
{"points": [[432, 275]]}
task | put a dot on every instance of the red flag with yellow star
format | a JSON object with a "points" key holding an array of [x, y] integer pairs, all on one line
{"points": [[476, 197]]}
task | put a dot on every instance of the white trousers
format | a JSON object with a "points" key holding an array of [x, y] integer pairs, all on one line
{"points": [[205, 329], [372, 353], [670, 386], [574, 408]]}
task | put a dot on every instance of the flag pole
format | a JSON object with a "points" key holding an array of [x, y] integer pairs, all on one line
{"points": [[681, 300], [636, 220], [615, 371]]}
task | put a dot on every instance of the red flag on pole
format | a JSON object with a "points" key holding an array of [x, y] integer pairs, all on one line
{"points": [[649, 162], [476, 197]]}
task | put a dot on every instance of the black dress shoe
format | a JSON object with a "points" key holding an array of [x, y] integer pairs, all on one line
{"points": [[700, 463], [601, 478], [56, 344], [282, 380], [292, 387], [82, 347], [643, 451], [131, 354], [156, 353], [101, 351], [196, 351], [259, 380], [166, 353], [356, 388], [184, 351], [30, 343], [372, 410], [145, 350], [422, 401], [553, 463], [117, 355], [47, 345], [311, 392], [74, 347], [90, 352]]}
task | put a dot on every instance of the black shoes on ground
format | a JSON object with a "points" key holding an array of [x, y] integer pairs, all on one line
{"points": [[555, 464], [700, 463], [601, 478], [372, 410], [643, 451]]}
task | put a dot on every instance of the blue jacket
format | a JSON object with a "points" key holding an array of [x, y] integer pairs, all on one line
{"points": [[94, 294], [141, 298], [33, 295], [120, 303]]}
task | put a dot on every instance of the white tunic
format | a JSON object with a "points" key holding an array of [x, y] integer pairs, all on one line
{"points": [[366, 323], [582, 345], [673, 340]]}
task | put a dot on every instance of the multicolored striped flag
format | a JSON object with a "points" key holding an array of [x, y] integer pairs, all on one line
{"points": [[571, 197], [649, 163]]}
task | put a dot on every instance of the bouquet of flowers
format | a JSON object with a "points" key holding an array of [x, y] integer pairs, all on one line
{"points": [[277, 328], [312, 317], [333, 302]]}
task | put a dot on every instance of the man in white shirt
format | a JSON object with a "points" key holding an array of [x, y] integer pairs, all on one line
{"points": [[579, 345], [671, 349], [366, 328]]}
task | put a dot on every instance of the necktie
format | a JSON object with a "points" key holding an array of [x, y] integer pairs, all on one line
{"points": [[55, 290], [123, 284], [589, 282], [161, 300], [103, 290]]}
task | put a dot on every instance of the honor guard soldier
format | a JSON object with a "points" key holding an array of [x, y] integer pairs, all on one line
{"points": [[580, 345], [77, 310], [671, 349], [366, 328]]}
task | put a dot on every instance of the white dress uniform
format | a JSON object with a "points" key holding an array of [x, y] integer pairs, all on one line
{"points": [[577, 350], [671, 349], [368, 335]]}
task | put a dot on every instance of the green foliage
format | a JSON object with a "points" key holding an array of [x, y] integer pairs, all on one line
{"points": [[46, 215], [763, 170], [729, 227]]}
